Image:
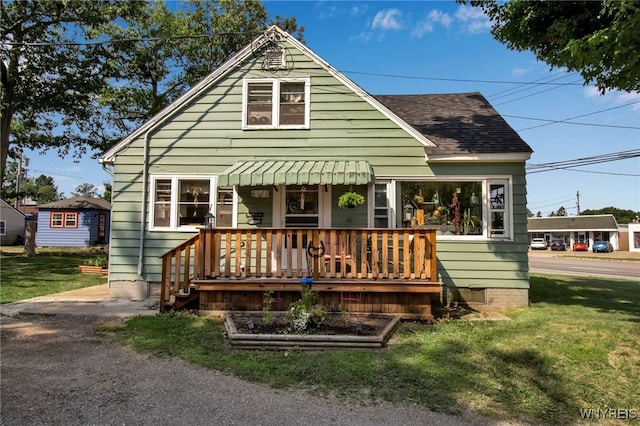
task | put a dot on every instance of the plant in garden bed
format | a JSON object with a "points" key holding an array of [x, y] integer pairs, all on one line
{"points": [[306, 313], [100, 261]]}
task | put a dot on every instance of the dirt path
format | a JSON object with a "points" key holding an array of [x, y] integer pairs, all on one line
{"points": [[60, 371]]}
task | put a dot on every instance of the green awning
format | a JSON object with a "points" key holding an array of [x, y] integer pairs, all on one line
{"points": [[275, 172]]}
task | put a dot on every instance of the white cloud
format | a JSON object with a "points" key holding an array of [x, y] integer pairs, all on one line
{"points": [[519, 72], [427, 24], [615, 96], [363, 36], [389, 19], [476, 21]]}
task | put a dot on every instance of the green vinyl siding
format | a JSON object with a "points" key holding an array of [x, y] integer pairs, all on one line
{"points": [[206, 137]]}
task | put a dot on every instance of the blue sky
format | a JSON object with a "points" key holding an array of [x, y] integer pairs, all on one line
{"points": [[443, 47]]}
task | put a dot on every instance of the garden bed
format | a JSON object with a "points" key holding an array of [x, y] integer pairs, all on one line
{"points": [[250, 330]]}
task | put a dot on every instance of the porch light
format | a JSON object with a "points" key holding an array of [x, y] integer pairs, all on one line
{"points": [[408, 210], [209, 221]]}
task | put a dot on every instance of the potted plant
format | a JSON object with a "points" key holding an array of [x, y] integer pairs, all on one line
{"points": [[470, 222], [96, 265], [350, 200]]}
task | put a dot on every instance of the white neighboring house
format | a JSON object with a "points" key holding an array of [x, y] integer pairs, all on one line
{"points": [[11, 224], [634, 237]]}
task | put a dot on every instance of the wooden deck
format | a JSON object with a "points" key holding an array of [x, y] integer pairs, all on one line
{"points": [[360, 270]]}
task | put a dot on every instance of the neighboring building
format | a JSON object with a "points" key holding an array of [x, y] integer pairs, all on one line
{"points": [[571, 229], [12, 224], [634, 237], [76, 222], [276, 134]]}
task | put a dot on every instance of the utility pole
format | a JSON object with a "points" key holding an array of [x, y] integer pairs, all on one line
{"points": [[578, 202], [18, 173]]}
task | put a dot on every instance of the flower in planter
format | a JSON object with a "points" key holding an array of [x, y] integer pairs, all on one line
{"points": [[350, 200]]}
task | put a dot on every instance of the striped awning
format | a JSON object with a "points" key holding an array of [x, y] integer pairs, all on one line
{"points": [[276, 172]]}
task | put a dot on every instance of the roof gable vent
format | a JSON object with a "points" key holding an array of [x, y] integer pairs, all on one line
{"points": [[274, 59]]}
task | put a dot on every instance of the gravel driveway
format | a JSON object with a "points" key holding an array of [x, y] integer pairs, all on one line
{"points": [[60, 371]]}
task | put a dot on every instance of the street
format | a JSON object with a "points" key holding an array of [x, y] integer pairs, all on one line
{"points": [[589, 264]]}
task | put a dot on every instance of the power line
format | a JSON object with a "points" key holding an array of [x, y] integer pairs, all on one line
{"points": [[572, 122], [580, 116], [580, 162], [457, 79], [127, 40]]}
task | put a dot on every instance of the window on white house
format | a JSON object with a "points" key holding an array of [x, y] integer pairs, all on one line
{"points": [[276, 103], [183, 202], [3, 227]]}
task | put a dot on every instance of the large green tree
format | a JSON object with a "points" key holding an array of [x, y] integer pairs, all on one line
{"points": [[598, 39], [49, 82], [58, 93], [622, 216]]}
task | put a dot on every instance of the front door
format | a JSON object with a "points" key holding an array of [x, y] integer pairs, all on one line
{"points": [[302, 206], [102, 228]]}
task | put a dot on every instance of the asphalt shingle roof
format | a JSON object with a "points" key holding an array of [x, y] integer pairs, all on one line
{"points": [[78, 203], [573, 223], [458, 123]]}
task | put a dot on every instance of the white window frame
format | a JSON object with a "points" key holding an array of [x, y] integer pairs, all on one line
{"points": [[486, 182], [275, 103], [174, 224], [391, 196], [3, 227]]}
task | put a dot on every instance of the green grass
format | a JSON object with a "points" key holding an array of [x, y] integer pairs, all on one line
{"points": [[576, 347], [50, 271]]}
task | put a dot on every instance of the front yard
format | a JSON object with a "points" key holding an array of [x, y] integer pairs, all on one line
{"points": [[574, 352]]}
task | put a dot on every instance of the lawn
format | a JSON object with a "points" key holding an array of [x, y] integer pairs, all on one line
{"points": [[576, 348], [52, 270]]}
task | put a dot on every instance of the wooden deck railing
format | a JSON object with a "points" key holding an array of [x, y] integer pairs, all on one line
{"points": [[290, 253]]}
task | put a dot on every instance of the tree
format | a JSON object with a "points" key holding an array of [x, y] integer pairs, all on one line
{"points": [[169, 53], [560, 212], [147, 57], [46, 74], [106, 195], [598, 39], [622, 216], [85, 190]]}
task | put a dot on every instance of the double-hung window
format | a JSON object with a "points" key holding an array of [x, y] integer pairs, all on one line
{"points": [[182, 202], [63, 220], [276, 103]]}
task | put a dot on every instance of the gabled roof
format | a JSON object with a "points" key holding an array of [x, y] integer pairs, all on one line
{"points": [[78, 203], [231, 64], [5, 204], [603, 222], [459, 123]]}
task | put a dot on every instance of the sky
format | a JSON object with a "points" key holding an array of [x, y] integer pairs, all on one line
{"points": [[423, 47]]}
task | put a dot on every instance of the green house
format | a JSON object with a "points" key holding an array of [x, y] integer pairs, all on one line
{"points": [[275, 136]]}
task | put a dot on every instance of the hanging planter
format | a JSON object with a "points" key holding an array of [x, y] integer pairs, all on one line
{"points": [[350, 200]]}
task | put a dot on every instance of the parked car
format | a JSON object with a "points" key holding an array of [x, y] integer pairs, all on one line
{"points": [[538, 244], [580, 246], [602, 246], [558, 245]]}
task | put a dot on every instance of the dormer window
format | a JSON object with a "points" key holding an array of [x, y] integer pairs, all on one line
{"points": [[276, 103]]}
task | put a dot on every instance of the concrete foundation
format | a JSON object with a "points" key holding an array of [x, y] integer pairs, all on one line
{"points": [[129, 290]]}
